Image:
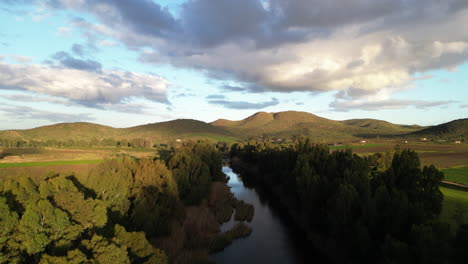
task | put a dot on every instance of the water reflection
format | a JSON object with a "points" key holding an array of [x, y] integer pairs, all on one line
{"points": [[272, 239]]}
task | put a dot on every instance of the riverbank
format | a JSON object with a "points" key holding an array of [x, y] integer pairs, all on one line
{"points": [[198, 234], [286, 204]]}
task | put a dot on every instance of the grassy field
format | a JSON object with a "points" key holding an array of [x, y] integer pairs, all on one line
{"points": [[455, 207], [440, 155], [459, 175], [48, 163], [357, 146], [37, 163]]}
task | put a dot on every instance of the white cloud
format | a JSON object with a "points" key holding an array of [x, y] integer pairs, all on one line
{"points": [[25, 112], [84, 87], [373, 105], [63, 31], [107, 43], [21, 59], [362, 48]]}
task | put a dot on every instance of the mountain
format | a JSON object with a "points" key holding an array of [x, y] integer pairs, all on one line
{"points": [[185, 128], [455, 129], [280, 125], [285, 124], [381, 125], [62, 131]]}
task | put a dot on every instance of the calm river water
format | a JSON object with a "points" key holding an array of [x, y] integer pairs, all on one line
{"points": [[273, 239]]}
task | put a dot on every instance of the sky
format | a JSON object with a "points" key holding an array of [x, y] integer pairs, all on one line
{"points": [[124, 63]]}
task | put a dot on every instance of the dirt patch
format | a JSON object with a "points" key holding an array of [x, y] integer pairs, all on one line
{"points": [[12, 159]]}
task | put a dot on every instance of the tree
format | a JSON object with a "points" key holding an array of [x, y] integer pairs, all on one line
{"points": [[192, 176], [111, 181], [105, 251], [73, 257], [42, 225], [9, 253], [138, 246]]}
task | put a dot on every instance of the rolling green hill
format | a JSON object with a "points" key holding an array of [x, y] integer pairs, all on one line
{"points": [[181, 128], [77, 131], [186, 128], [381, 125], [456, 130], [285, 124], [280, 125]]}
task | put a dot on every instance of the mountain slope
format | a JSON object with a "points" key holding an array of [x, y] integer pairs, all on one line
{"points": [[86, 131], [453, 129], [382, 125], [176, 128], [62, 131], [281, 124], [284, 124]]}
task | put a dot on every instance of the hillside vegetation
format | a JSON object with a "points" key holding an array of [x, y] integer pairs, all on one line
{"points": [[457, 129], [81, 131], [286, 124], [282, 125]]}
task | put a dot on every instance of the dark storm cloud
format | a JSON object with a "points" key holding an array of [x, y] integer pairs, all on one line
{"points": [[244, 105], [68, 61]]}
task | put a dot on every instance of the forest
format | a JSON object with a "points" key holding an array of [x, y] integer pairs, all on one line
{"points": [[125, 210], [382, 208]]}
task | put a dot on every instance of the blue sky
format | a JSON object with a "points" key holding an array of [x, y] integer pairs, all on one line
{"points": [[126, 63]]}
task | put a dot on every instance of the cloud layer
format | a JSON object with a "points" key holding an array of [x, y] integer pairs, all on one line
{"points": [[358, 48], [240, 105], [90, 88], [24, 112]]}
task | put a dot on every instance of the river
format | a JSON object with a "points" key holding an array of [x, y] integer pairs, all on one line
{"points": [[273, 240]]}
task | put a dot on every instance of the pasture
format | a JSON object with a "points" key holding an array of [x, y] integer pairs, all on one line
{"points": [[37, 163], [442, 156], [457, 174], [455, 207]]}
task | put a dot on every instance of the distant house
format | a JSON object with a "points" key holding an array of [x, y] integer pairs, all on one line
{"points": [[178, 140], [458, 142], [363, 141]]}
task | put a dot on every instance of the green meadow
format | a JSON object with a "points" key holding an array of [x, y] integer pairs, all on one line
{"points": [[455, 207], [48, 163], [458, 175]]}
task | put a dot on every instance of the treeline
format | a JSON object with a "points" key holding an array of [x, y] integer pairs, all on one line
{"points": [[94, 142], [376, 209], [109, 215]]}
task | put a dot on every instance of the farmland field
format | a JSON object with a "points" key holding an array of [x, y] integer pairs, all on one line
{"points": [[458, 175], [440, 155], [37, 163], [455, 207], [48, 163]]}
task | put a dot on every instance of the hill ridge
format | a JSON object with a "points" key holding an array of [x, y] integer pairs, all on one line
{"points": [[275, 124]]}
